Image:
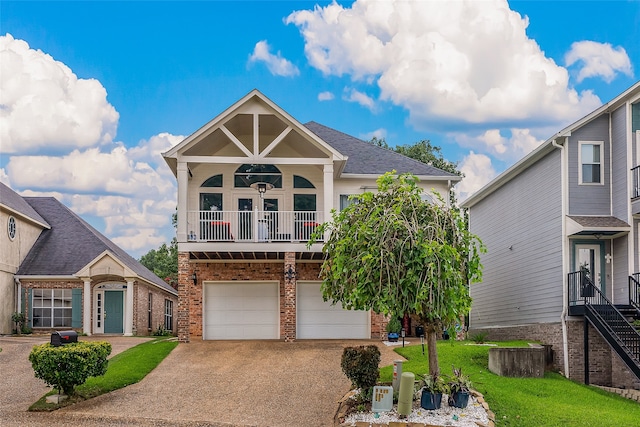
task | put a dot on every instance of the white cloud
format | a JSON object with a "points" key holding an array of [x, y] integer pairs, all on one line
{"points": [[353, 95], [447, 63], [517, 144], [478, 171], [325, 96], [44, 106], [276, 64], [598, 60], [378, 133], [4, 178]]}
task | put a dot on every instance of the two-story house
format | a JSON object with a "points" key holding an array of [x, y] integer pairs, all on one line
{"points": [[63, 274], [561, 229], [253, 184]]}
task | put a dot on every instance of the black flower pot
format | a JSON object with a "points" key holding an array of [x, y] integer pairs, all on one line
{"points": [[459, 399], [430, 400]]}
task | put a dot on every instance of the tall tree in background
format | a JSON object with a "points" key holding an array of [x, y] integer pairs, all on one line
{"points": [[394, 253], [164, 260]]}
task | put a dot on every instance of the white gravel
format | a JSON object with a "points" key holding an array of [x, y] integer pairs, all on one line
{"points": [[445, 416]]}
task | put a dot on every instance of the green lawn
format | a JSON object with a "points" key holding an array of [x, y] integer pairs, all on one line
{"points": [[125, 368], [531, 402]]}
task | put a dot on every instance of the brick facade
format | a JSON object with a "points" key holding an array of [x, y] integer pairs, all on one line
{"points": [[605, 367], [140, 301], [190, 295]]}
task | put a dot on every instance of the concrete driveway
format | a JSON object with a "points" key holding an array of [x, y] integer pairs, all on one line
{"points": [[225, 383]]}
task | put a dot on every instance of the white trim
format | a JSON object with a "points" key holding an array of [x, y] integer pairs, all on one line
{"points": [[258, 160], [24, 216], [420, 177], [42, 277], [594, 143]]}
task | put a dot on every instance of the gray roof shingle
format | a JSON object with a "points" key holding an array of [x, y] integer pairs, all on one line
{"points": [[599, 221], [366, 158], [71, 244], [15, 202]]}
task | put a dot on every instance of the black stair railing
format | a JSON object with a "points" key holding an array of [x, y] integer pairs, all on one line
{"points": [[607, 319], [634, 290]]}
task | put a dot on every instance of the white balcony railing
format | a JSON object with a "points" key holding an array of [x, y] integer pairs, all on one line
{"points": [[251, 226]]}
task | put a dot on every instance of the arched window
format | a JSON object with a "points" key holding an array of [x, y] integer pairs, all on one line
{"points": [[248, 174], [214, 181], [301, 182]]}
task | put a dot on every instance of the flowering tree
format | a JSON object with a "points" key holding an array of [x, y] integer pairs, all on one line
{"points": [[394, 252]]}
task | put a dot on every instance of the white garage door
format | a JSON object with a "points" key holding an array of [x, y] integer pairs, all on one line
{"points": [[319, 319], [241, 310]]}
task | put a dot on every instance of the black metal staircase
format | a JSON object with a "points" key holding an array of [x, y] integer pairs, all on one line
{"points": [[614, 326]]}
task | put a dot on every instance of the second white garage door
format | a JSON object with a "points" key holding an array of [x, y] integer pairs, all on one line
{"points": [[241, 311], [317, 319]]}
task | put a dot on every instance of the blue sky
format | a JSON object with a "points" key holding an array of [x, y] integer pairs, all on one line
{"points": [[92, 92]]}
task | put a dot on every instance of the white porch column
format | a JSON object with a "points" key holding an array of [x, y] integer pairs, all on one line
{"points": [[86, 306], [328, 193], [183, 183], [128, 317]]}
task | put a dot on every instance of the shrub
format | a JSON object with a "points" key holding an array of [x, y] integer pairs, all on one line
{"points": [[480, 337], [360, 365], [19, 319], [69, 365], [162, 332]]}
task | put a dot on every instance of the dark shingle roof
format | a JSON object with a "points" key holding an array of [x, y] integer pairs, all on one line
{"points": [[71, 244], [599, 221], [15, 202], [366, 158]]}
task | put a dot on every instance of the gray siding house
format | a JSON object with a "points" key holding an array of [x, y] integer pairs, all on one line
{"points": [[561, 229]]}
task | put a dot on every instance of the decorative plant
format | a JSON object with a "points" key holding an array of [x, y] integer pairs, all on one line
{"points": [[458, 382], [394, 326], [360, 365], [480, 337], [433, 384], [19, 319]]}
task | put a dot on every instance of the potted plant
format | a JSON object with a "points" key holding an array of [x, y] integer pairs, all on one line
{"points": [[393, 329], [432, 387], [459, 386], [19, 319]]}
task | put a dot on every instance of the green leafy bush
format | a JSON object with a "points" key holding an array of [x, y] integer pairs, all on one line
{"points": [[69, 365], [162, 332], [360, 365]]}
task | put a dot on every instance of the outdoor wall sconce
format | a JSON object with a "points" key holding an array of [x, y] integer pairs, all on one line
{"points": [[195, 278], [290, 274]]}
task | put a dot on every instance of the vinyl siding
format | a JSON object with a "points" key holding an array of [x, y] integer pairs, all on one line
{"points": [[590, 199], [524, 284], [620, 270], [619, 167]]}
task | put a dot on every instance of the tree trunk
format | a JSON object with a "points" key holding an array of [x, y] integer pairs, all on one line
{"points": [[432, 350]]}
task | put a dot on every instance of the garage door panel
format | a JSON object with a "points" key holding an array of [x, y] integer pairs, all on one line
{"points": [[241, 310], [317, 319]]}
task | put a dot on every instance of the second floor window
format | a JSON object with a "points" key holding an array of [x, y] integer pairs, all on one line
{"points": [[591, 154]]}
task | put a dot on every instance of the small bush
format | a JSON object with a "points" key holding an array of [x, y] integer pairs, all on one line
{"points": [[162, 332], [69, 365], [360, 365], [480, 337]]}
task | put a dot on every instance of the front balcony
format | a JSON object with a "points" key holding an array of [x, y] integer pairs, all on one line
{"points": [[252, 226], [635, 179]]}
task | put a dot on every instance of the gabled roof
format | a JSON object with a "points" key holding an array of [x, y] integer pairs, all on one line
{"points": [[632, 94], [71, 243], [369, 159], [16, 204]]}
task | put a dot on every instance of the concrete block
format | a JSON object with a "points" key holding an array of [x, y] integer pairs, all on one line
{"points": [[517, 361]]}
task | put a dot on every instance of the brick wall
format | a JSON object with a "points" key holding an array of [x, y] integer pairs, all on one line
{"points": [[141, 309], [190, 304]]}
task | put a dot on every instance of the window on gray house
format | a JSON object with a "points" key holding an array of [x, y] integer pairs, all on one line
{"points": [[591, 163]]}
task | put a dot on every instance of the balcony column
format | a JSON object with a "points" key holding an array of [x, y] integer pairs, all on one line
{"points": [[328, 193], [183, 182]]}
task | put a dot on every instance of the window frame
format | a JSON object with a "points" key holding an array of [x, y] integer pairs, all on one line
{"points": [[168, 315], [150, 312], [601, 163], [12, 227], [66, 295]]}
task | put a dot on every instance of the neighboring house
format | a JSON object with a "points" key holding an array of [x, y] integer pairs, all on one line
{"points": [[63, 274], [253, 184], [561, 229]]}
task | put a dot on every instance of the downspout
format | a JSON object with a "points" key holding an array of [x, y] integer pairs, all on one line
{"points": [[565, 296], [18, 301]]}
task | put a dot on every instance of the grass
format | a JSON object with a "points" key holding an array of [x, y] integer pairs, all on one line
{"points": [[527, 402], [128, 367]]}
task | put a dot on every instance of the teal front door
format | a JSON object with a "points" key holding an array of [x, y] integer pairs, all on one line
{"points": [[113, 304]]}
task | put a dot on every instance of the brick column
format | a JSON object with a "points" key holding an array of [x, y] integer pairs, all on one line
{"points": [[184, 285], [289, 298]]}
